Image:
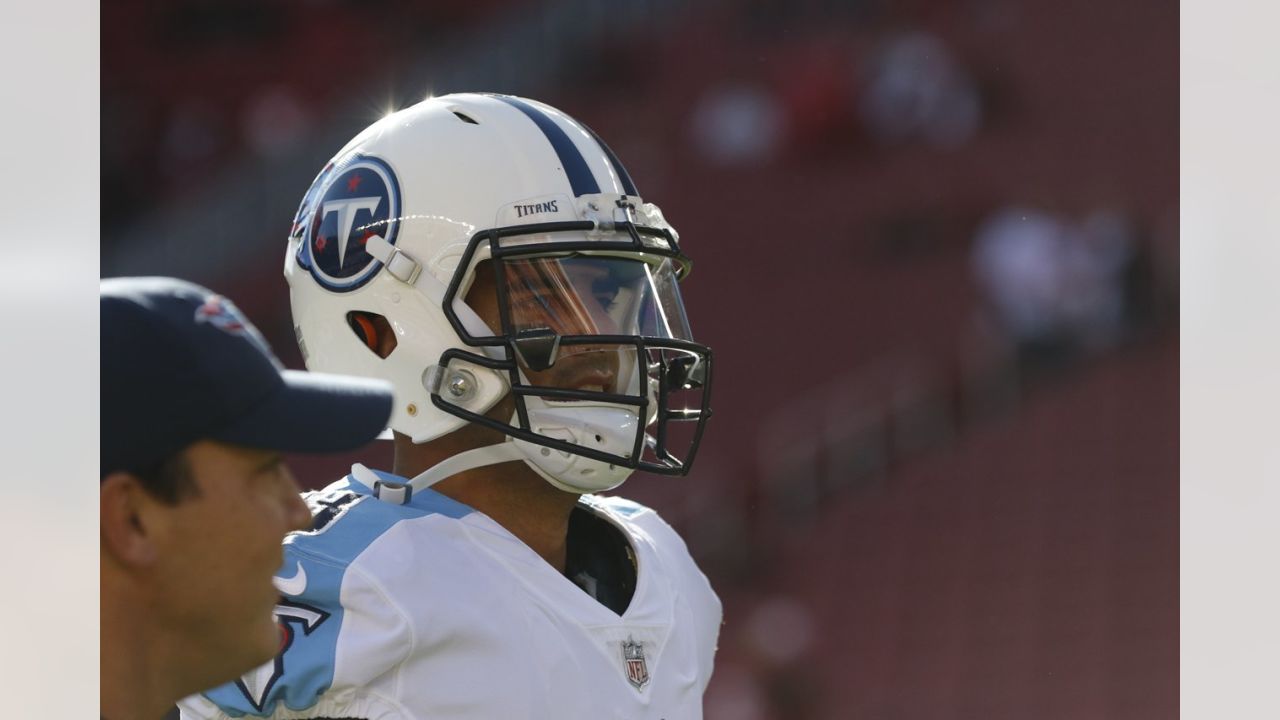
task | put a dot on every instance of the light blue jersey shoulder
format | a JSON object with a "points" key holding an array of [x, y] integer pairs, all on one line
{"points": [[346, 519]]}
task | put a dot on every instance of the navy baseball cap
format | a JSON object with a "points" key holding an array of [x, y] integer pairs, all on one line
{"points": [[181, 364]]}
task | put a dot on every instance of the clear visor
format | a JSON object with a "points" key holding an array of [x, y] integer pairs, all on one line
{"points": [[594, 295]]}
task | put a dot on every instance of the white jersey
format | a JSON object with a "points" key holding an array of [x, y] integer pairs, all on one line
{"points": [[433, 610]]}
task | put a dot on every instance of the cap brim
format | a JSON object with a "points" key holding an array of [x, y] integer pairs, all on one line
{"points": [[314, 413]]}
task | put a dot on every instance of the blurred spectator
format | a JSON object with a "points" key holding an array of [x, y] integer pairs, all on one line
{"points": [[1055, 287], [737, 123], [813, 83], [1097, 256], [780, 631], [274, 121], [776, 681], [916, 90], [1017, 265]]}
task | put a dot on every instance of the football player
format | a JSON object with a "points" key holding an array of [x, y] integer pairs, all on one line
{"points": [[492, 258], [194, 497]]}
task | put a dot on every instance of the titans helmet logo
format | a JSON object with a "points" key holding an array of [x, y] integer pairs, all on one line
{"points": [[350, 202]]}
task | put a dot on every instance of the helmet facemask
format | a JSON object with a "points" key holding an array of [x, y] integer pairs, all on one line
{"points": [[393, 227], [595, 345]]}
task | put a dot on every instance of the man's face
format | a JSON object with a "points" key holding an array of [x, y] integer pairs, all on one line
{"points": [[545, 294], [220, 548]]}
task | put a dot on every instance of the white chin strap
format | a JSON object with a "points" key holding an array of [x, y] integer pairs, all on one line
{"points": [[401, 493], [605, 428]]}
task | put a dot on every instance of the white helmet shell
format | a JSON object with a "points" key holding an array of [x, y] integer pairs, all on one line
{"points": [[386, 227]]}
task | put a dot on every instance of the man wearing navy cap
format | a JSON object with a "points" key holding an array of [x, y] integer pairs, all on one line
{"points": [[194, 496]]}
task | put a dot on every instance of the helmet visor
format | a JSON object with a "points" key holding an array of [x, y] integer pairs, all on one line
{"points": [[594, 295]]}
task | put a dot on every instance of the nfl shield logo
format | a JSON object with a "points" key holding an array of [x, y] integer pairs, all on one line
{"points": [[633, 656]]}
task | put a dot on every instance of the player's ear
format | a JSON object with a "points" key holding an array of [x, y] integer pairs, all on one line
{"points": [[124, 522]]}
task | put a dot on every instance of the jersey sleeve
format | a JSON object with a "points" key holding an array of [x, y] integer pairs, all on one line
{"points": [[340, 632]]}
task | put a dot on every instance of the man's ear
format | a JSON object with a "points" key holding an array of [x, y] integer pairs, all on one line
{"points": [[125, 508]]}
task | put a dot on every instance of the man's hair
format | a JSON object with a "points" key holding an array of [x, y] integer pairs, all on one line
{"points": [[170, 481]]}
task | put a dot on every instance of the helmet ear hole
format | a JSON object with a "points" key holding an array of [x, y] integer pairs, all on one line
{"points": [[374, 331]]}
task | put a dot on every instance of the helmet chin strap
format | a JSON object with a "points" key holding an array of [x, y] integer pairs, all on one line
{"points": [[611, 428], [508, 451], [401, 493]]}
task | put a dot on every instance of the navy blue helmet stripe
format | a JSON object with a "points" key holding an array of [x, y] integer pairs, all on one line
{"points": [[575, 166], [628, 187]]}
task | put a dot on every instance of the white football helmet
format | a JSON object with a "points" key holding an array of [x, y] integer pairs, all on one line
{"points": [[508, 250]]}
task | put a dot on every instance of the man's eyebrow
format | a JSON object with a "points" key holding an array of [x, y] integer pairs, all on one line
{"points": [[269, 463]]}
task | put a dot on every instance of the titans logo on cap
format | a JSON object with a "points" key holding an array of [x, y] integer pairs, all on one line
{"points": [[348, 203], [220, 313]]}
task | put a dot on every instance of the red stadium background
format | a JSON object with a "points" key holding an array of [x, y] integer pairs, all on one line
{"points": [[935, 251]]}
